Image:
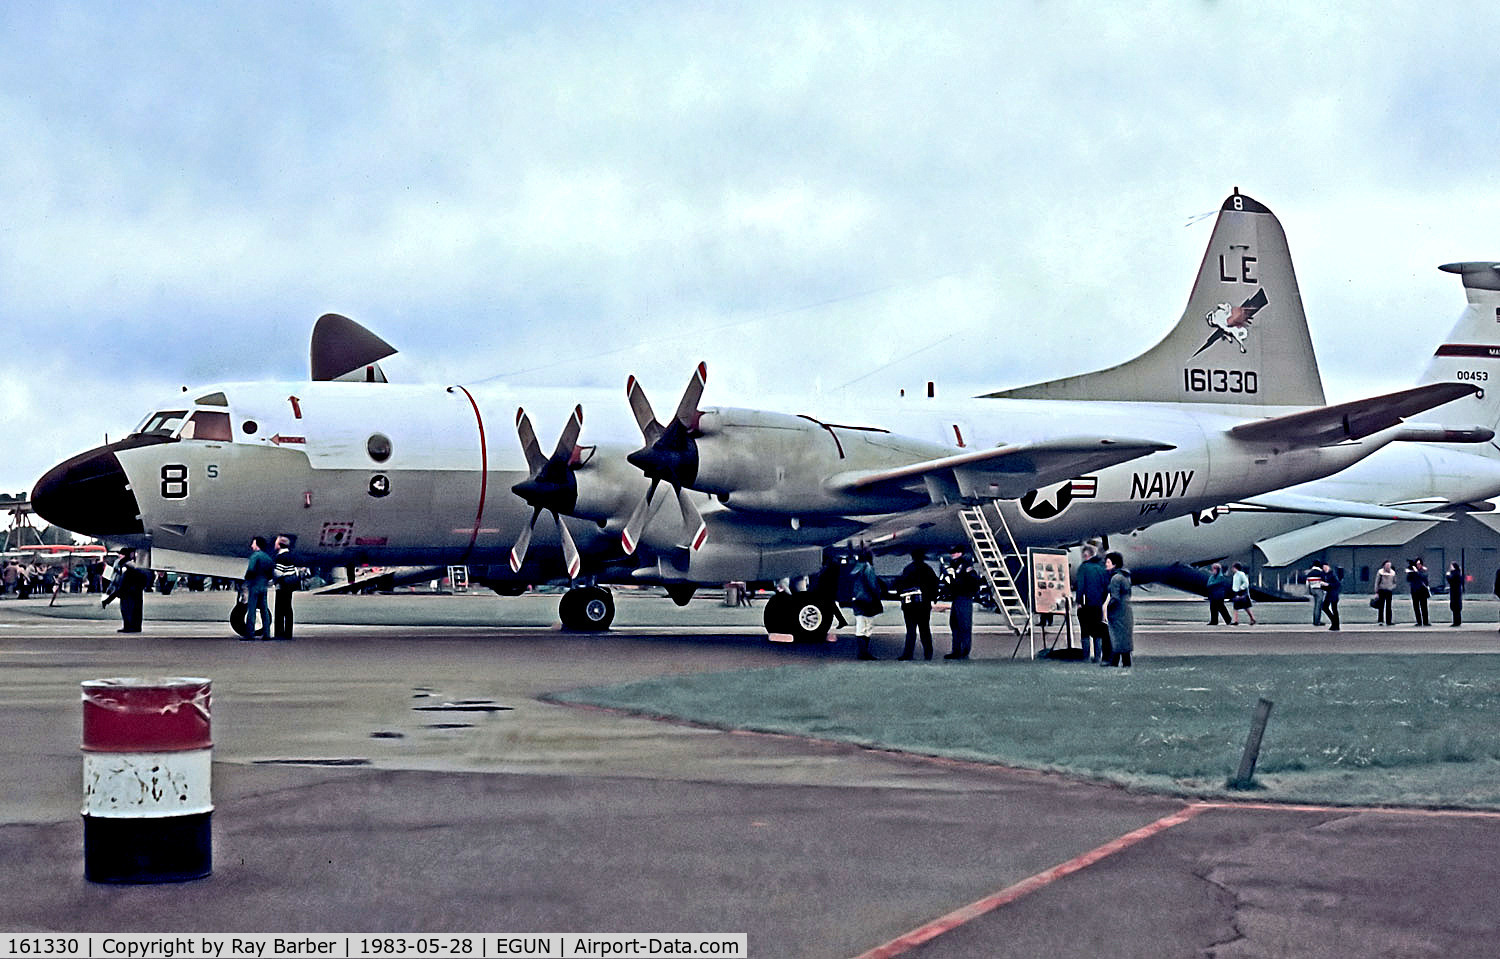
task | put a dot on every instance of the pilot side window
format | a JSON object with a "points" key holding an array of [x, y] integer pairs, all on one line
{"points": [[208, 426], [163, 423]]}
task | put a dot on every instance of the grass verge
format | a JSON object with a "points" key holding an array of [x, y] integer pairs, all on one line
{"points": [[1370, 729]]}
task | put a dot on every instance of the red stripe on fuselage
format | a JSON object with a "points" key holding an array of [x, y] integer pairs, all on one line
{"points": [[484, 473]]}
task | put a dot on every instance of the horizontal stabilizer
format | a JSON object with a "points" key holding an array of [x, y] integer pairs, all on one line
{"points": [[1005, 472], [1480, 275], [1285, 501], [1350, 421], [1289, 547]]}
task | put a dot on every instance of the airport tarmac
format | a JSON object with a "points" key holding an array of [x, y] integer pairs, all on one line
{"points": [[346, 803]]}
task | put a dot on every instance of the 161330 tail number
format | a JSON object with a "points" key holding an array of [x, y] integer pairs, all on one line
{"points": [[1203, 380]]}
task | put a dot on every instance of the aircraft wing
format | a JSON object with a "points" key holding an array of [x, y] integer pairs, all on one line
{"points": [[1005, 472], [1285, 501], [1351, 421]]}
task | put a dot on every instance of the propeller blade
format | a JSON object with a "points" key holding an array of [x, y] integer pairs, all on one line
{"points": [[645, 418], [534, 458], [630, 536], [687, 408], [692, 520], [568, 441], [518, 551], [570, 548]]}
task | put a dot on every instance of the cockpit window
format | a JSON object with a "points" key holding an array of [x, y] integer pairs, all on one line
{"points": [[162, 423], [208, 426]]}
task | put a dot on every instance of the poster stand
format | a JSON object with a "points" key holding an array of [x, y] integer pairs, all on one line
{"points": [[1051, 596]]}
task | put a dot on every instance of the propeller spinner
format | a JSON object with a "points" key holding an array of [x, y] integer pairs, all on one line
{"points": [[551, 486], [670, 455]]}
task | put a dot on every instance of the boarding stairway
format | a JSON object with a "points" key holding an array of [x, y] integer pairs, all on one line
{"points": [[998, 564]]}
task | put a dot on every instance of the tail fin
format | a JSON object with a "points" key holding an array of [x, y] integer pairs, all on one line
{"points": [[1243, 338], [1471, 353]]}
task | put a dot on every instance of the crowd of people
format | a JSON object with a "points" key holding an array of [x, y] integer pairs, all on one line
{"points": [[22, 580], [1102, 587], [127, 582], [1102, 593], [917, 588], [26, 580], [1325, 588]]}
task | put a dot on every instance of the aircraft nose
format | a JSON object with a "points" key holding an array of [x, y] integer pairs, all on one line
{"points": [[88, 494]]}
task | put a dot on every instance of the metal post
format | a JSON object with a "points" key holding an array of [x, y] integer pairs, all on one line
{"points": [[1245, 778]]}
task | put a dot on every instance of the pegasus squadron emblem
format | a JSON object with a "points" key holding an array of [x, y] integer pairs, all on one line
{"points": [[1232, 323]]}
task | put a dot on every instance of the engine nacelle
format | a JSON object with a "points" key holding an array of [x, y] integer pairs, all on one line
{"points": [[776, 462], [607, 486], [741, 451]]}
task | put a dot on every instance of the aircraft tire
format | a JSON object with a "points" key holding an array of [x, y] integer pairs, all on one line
{"points": [[237, 618], [588, 609], [779, 613]]}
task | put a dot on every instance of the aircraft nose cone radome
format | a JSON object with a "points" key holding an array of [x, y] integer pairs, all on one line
{"points": [[88, 494]]}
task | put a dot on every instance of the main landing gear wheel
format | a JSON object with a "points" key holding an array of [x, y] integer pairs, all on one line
{"points": [[587, 609], [798, 614], [237, 618]]}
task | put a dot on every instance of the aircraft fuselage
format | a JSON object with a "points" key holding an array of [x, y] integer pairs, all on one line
{"points": [[392, 474]]}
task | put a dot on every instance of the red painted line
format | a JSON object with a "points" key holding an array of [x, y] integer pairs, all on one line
{"points": [[484, 473], [1025, 887]]}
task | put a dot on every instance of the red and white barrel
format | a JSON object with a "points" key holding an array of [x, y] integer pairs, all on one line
{"points": [[147, 760]]}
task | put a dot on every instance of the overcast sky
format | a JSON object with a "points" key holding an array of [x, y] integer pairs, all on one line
{"points": [[806, 195]]}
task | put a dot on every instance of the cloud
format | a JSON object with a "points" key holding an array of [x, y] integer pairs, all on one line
{"points": [[807, 195]]}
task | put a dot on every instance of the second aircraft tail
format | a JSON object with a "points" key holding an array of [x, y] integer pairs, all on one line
{"points": [[1471, 353]]}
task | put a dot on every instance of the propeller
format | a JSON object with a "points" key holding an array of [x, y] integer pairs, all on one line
{"points": [[670, 455], [551, 486]]}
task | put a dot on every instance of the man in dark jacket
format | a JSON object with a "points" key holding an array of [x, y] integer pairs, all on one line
{"points": [[917, 587], [128, 585], [1455, 580], [864, 599], [1333, 588], [257, 582], [1093, 585], [963, 585], [1421, 588], [1218, 592]]}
